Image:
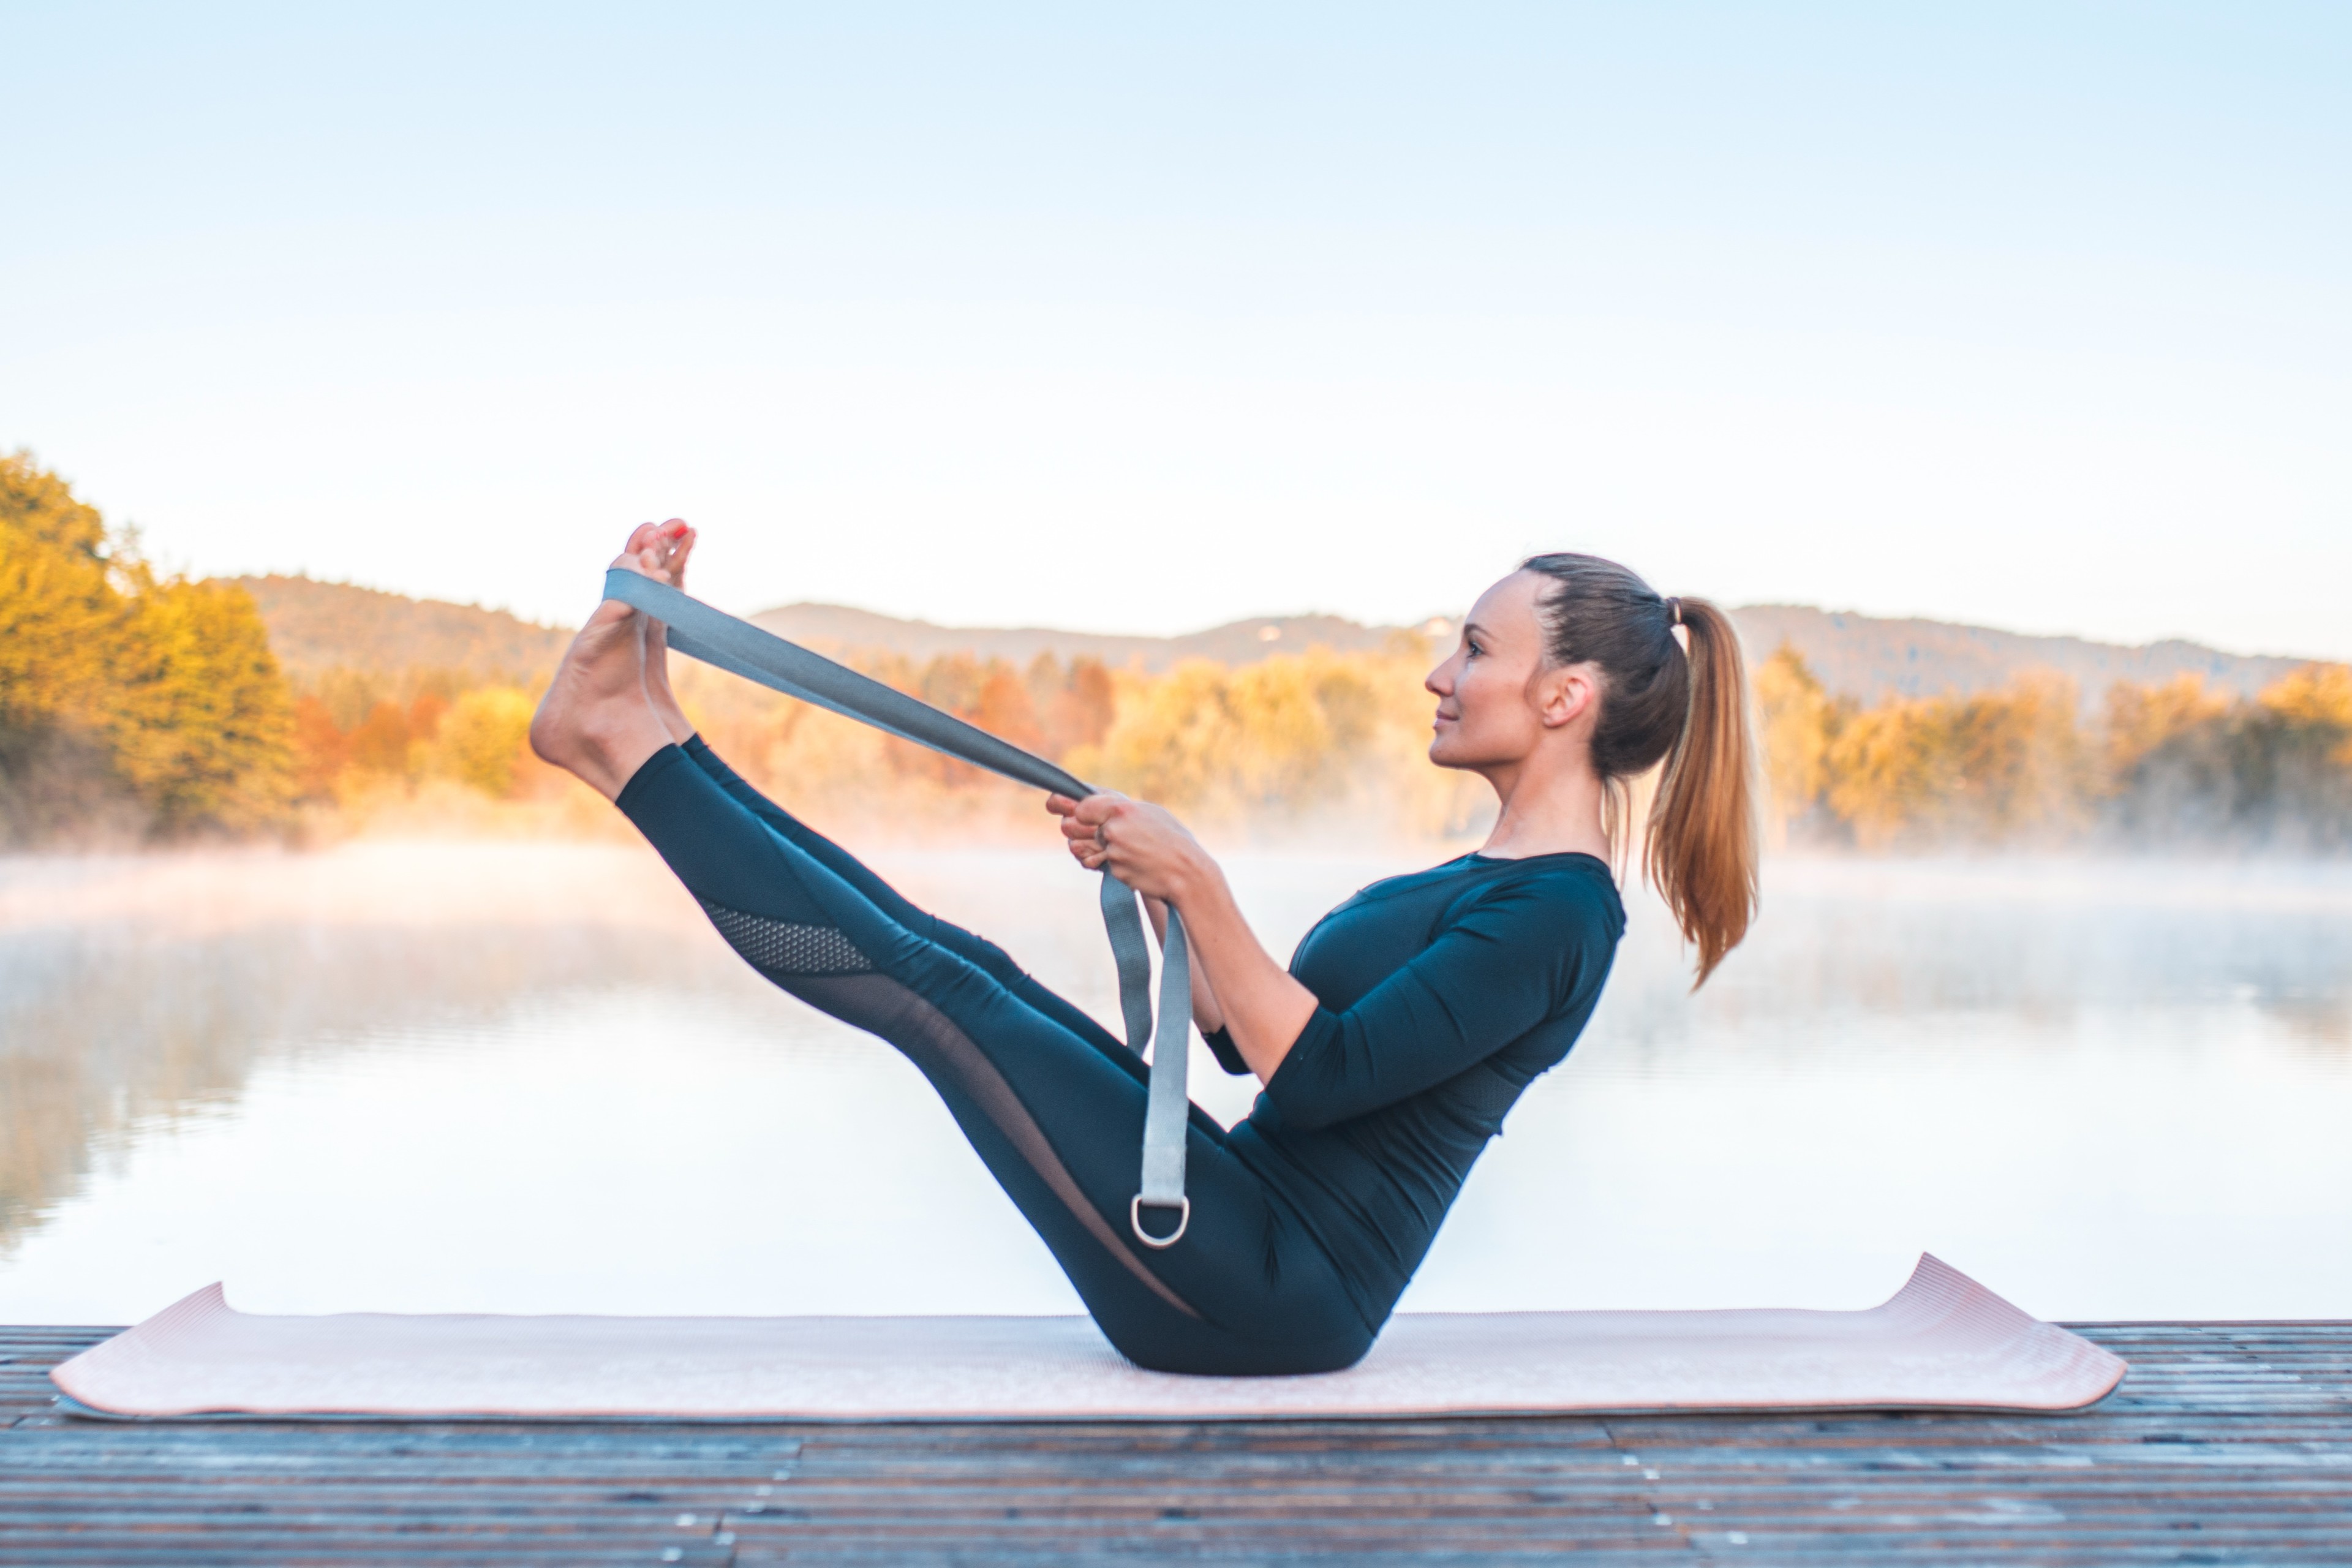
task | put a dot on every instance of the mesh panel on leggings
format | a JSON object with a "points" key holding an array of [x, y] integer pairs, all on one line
{"points": [[948, 1057], [787, 947], [821, 966]]}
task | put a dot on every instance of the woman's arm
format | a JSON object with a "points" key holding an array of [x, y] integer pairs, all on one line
{"points": [[1254, 999], [1206, 1013]]}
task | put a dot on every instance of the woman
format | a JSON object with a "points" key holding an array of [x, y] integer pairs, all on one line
{"points": [[1405, 1027]]}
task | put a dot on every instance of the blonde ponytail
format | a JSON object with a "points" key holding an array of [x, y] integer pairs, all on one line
{"points": [[1701, 846], [1686, 707]]}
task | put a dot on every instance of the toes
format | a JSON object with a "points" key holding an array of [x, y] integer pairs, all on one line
{"points": [[645, 560], [658, 550]]}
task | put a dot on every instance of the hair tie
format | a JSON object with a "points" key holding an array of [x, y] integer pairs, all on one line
{"points": [[1673, 612]]}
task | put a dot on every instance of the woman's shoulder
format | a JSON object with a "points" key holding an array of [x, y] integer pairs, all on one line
{"points": [[1563, 885], [1569, 871], [1554, 886]]}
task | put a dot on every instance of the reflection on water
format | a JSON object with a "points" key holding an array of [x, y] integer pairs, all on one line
{"points": [[2110, 1091], [529, 1078], [135, 993]]}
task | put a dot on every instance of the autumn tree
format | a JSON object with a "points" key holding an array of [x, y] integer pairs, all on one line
{"points": [[120, 684], [62, 608], [1890, 771], [1999, 767], [2168, 772], [1075, 706], [2295, 746], [1801, 722], [200, 719], [1303, 741], [481, 741]]}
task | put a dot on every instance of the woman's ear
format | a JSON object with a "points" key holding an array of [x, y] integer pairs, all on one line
{"points": [[1566, 694]]}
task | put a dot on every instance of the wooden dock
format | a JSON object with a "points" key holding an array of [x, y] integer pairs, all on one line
{"points": [[2228, 1444]]}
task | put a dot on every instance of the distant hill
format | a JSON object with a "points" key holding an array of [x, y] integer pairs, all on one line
{"points": [[1862, 656], [1868, 659], [836, 629], [315, 627]]}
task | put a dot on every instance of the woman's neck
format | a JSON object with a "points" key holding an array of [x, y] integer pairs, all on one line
{"points": [[1547, 811]]}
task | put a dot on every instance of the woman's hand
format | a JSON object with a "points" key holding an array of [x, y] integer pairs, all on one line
{"points": [[1108, 830], [1238, 986], [1143, 845]]}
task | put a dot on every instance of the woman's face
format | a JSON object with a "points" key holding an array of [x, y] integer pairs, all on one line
{"points": [[1496, 698]]}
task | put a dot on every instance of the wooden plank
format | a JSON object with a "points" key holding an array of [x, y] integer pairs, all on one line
{"points": [[2229, 1443]]}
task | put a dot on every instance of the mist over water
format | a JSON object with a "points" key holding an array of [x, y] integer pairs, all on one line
{"points": [[529, 1078]]}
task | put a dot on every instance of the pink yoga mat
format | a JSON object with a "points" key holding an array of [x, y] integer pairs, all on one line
{"points": [[1942, 1342]]}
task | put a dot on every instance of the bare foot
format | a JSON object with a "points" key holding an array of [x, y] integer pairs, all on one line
{"points": [[676, 539], [597, 721]]}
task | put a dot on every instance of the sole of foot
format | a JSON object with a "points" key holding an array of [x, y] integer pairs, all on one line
{"points": [[600, 721]]}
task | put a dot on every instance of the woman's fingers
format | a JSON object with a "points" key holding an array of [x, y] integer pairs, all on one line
{"points": [[1100, 808], [1087, 825], [1087, 818], [1077, 836]]}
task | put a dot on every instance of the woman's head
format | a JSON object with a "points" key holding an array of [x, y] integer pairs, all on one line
{"points": [[1575, 652]]}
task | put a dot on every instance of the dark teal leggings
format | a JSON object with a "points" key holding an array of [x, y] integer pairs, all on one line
{"points": [[1052, 1102]]}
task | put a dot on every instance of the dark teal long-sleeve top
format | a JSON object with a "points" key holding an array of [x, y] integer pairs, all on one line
{"points": [[1441, 995]]}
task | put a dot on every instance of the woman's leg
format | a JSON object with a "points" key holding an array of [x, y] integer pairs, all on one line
{"points": [[991, 959], [1056, 1112]]}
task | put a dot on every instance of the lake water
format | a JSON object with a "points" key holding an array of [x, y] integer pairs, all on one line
{"points": [[529, 1078]]}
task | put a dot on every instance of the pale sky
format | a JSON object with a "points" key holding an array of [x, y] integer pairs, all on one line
{"points": [[1145, 317]]}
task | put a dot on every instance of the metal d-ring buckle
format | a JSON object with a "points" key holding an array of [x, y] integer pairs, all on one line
{"points": [[1183, 1207]]}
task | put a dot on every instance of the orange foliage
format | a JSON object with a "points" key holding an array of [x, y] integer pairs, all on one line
{"points": [[321, 751]]}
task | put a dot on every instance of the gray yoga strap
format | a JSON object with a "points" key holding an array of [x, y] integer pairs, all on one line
{"points": [[741, 648]]}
